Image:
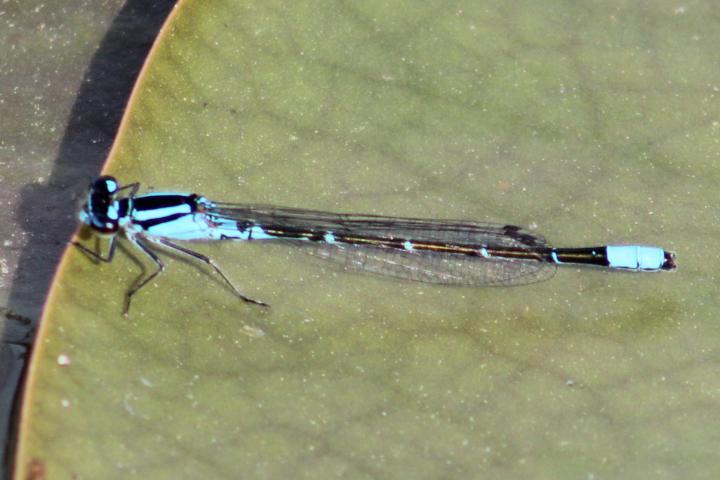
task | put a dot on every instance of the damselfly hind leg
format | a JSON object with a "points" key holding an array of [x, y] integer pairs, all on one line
{"points": [[208, 261]]}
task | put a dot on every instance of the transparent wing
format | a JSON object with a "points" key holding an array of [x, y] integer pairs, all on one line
{"points": [[444, 268], [418, 229], [423, 266]]}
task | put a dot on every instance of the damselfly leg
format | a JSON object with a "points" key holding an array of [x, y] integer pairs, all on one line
{"points": [[158, 263], [98, 256], [208, 261]]}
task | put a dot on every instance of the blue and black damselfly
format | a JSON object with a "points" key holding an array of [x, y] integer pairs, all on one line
{"points": [[450, 252]]}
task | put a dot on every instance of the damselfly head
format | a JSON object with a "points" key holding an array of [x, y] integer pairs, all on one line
{"points": [[100, 211]]}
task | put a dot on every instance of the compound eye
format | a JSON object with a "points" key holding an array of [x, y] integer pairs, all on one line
{"points": [[106, 185]]}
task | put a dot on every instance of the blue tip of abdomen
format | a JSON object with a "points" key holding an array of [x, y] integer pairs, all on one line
{"points": [[636, 257]]}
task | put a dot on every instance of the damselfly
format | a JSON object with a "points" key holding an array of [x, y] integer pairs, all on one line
{"points": [[451, 252]]}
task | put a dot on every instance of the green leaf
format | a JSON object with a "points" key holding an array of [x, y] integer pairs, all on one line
{"points": [[483, 111]]}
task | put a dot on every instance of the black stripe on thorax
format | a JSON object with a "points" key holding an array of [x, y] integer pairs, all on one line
{"points": [[147, 204], [146, 224], [153, 202]]}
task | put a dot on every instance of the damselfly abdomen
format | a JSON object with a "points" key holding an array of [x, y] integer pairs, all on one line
{"points": [[451, 252]]}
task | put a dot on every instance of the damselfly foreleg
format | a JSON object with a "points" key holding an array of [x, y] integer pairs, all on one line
{"points": [[95, 255], [133, 187]]}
